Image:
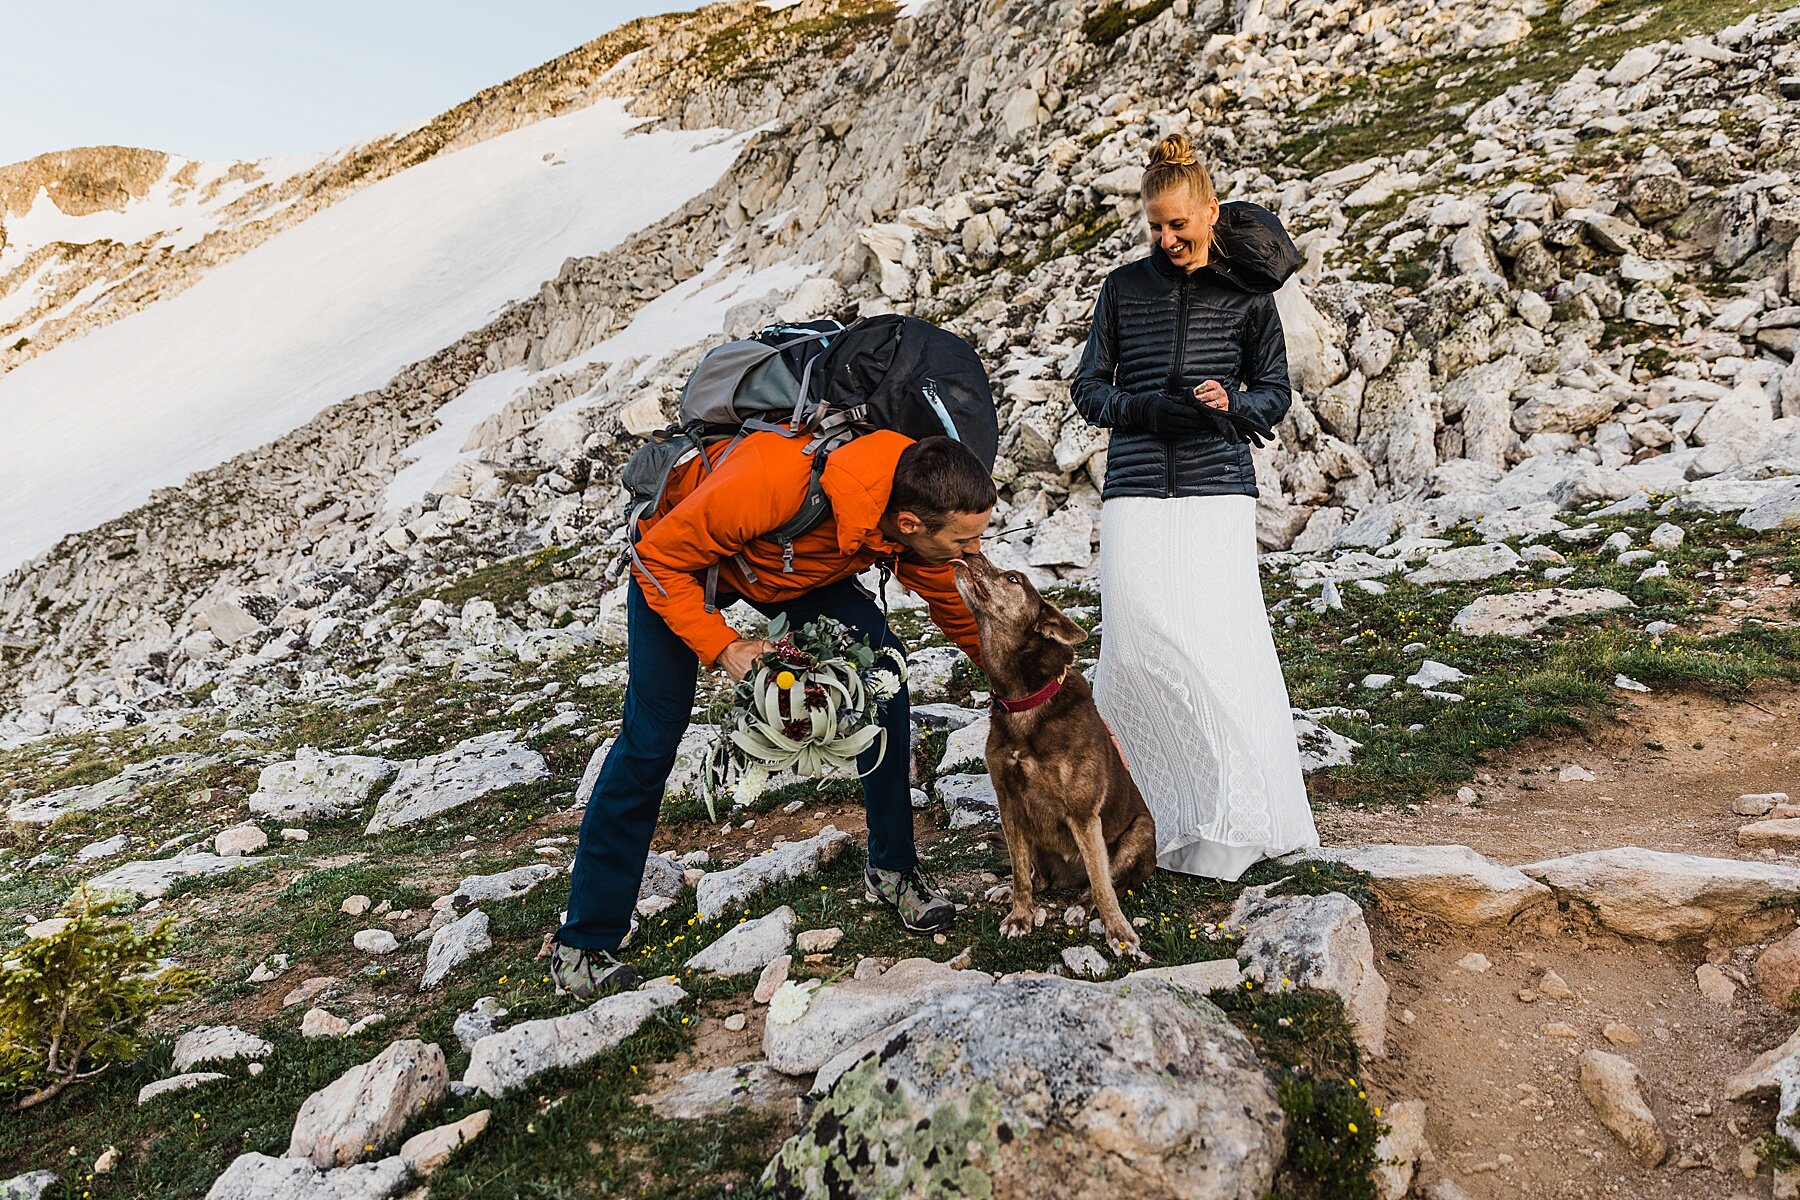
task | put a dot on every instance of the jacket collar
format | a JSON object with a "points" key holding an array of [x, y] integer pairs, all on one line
{"points": [[858, 479], [1251, 251]]}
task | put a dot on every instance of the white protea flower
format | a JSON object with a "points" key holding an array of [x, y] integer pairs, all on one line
{"points": [[750, 786], [884, 684], [789, 1002]]}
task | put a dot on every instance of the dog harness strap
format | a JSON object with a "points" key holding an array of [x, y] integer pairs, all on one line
{"points": [[1041, 696]]}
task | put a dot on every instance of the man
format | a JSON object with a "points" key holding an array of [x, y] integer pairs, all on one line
{"points": [[913, 505]]}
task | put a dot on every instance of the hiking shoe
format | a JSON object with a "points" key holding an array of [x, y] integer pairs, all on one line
{"points": [[921, 905], [589, 974]]}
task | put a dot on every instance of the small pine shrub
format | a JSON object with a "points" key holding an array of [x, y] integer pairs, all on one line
{"points": [[74, 1003]]}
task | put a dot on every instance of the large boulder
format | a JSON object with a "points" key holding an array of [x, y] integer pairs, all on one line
{"points": [[1516, 614], [153, 877], [317, 787], [1664, 897], [504, 1060], [1318, 942], [259, 1177], [1047, 1087], [1453, 883], [368, 1105], [840, 1015], [217, 1043], [467, 771]]}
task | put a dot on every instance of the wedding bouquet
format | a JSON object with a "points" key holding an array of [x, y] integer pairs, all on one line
{"points": [[811, 706]]}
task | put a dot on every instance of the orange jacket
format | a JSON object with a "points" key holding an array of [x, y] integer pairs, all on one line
{"points": [[707, 518]]}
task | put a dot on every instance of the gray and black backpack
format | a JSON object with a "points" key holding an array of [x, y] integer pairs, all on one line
{"points": [[828, 383]]}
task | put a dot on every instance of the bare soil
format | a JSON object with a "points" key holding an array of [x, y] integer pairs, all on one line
{"points": [[1505, 1112]]}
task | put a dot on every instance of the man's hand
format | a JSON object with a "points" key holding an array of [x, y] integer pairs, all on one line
{"points": [[737, 659], [1212, 394]]}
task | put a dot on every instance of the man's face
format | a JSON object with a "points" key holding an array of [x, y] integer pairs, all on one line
{"points": [[960, 535]]}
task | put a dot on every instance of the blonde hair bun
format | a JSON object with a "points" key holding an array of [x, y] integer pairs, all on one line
{"points": [[1175, 151], [1174, 164]]}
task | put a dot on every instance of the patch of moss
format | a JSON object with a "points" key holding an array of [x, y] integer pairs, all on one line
{"points": [[867, 1140], [1394, 109], [1115, 20]]}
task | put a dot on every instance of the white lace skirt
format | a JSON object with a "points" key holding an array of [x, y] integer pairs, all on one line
{"points": [[1189, 679]]}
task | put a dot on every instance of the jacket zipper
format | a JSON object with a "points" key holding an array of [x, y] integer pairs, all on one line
{"points": [[1175, 377]]}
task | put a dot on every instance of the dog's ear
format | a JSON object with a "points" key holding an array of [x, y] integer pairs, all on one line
{"points": [[1058, 628]]}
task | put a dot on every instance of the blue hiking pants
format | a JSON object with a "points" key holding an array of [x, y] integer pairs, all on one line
{"points": [[659, 698]]}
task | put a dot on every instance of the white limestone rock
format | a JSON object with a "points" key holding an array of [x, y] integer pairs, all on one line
{"points": [[503, 1061], [217, 1043], [718, 891], [176, 1083], [453, 945], [1517, 614], [748, 947], [259, 1177], [1315, 941], [317, 787], [1665, 897], [153, 877], [971, 799], [1465, 564], [41, 810], [839, 1015], [1171, 1088], [369, 1104], [467, 771], [1320, 746], [1453, 883]]}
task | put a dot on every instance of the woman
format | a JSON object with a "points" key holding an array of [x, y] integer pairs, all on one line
{"points": [[1186, 365]]}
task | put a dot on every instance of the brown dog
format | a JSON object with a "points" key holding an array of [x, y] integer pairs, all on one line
{"points": [[1068, 807]]}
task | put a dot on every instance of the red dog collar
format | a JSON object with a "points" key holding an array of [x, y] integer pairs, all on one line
{"points": [[1041, 696]]}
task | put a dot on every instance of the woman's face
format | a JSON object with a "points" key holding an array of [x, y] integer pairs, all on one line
{"points": [[1182, 226]]}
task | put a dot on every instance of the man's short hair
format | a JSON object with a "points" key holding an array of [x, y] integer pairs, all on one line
{"points": [[938, 476]]}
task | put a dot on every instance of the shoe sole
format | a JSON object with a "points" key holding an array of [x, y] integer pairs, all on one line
{"points": [[876, 898]]}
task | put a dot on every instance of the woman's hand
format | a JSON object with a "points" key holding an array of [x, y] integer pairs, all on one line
{"points": [[1212, 394]]}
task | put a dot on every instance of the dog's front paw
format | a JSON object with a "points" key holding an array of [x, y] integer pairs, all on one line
{"points": [[1017, 923], [1000, 893], [1125, 943]]}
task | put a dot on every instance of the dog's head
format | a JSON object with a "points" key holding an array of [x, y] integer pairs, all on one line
{"points": [[1012, 617]]}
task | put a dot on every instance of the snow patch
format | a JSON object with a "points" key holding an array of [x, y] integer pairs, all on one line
{"points": [[434, 453], [328, 308]]}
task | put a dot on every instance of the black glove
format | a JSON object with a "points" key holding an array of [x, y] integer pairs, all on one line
{"points": [[1174, 416]]}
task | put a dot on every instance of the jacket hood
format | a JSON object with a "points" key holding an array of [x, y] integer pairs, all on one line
{"points": [[1251, 249]]}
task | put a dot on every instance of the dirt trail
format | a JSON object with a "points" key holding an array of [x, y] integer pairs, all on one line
{"points": [[1506, 1116]]}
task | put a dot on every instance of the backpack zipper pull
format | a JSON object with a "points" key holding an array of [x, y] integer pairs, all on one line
{"points": [[787, 558]]}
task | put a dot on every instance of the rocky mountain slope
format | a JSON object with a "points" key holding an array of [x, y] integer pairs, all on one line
{"points": [[1545, 452], [1595, 301]]}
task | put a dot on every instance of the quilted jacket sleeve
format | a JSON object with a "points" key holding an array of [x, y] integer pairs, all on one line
{"points": [[1265, 396], [1094, 393]]}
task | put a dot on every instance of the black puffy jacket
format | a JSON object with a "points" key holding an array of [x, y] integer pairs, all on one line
{"points": [[1160, 329]]}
